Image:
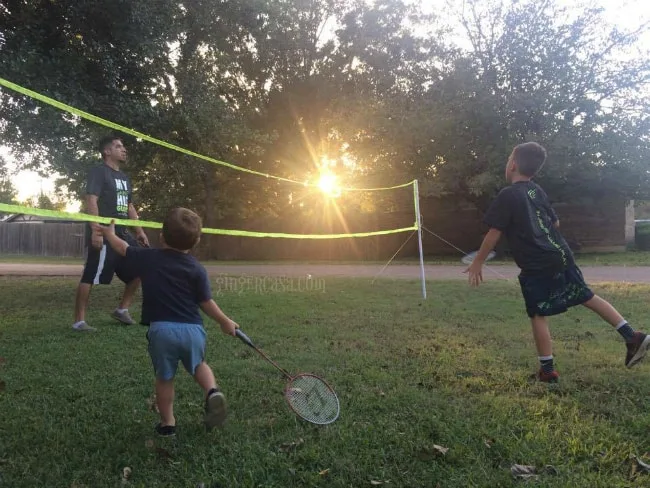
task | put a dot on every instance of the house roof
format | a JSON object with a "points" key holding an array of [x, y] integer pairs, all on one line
{"points": [[23, 218]]}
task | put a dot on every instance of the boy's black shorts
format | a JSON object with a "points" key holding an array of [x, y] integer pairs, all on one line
{"points": [[552, 294], [102, 264]]}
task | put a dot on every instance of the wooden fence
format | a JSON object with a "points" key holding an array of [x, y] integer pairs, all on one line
{"points": [[601, 226], [42, 239]]}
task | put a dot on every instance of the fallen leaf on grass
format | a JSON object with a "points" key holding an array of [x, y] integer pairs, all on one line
{"points": [[126, 474], [639, 466], [152, 404], [440, 449], [429, 453], [523, 472], [325, 472], [488, 443], [290, 446]]}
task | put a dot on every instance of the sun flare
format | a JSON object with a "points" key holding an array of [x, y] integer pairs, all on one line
{"points": [[328, 185]]}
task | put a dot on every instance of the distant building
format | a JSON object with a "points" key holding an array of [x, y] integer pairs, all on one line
{"points": [[35, 219]]}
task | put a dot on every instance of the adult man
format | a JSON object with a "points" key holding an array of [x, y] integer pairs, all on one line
{"points": [[108, 194]]}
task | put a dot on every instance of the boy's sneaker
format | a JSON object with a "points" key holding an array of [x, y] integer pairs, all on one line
{"points": [[123, 317], [215, 410], [637, 349], [165, 430], [552, 377], [83, 327]]}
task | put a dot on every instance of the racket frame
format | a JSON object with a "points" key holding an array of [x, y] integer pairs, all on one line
{"points": [[291, 379]]}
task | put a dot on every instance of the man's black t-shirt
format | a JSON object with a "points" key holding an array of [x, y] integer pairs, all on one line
{"points": [[113, 191], [523, 213], [173, 285]]}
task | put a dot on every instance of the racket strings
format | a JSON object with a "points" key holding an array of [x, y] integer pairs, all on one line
{"points": [[312, 399]]}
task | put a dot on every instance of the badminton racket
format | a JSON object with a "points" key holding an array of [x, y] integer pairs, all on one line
{"points": [[469, 258], [309, 396]]}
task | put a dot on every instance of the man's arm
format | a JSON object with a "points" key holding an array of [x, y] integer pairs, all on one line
{"points": [[133, 215], [139, 232], [93, 209]]}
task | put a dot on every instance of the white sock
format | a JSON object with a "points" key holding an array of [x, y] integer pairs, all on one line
{"points": [[623, 322], [545, 358]]}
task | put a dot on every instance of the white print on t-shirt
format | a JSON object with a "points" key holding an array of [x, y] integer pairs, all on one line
{"points": [[122, 191]]}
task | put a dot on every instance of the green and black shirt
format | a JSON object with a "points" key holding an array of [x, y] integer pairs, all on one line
{"points": [[524, 214]]}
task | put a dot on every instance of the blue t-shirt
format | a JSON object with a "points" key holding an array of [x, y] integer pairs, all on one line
{"points": [[173, 285]]}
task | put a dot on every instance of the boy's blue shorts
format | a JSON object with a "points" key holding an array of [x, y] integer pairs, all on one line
{"points": [[553, 293], [170, 342]]}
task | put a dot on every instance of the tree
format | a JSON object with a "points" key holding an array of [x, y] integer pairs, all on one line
{"points": [[260, 84], [533, 71], [46, 202], [8, 192]]}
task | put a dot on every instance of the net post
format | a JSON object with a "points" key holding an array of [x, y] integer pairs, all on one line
{"points": [[418, 220]]}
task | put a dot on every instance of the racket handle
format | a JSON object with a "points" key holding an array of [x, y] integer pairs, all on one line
{"points": [[244, 338]]}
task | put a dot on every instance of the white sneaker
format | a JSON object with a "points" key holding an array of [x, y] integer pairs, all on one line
{"points": [[83, 327], [123, 317]]}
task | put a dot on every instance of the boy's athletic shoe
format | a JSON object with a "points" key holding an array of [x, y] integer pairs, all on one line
{"points": [[552, 377], [215, 410], [123, 317], [83, 327], [166, 430], [637, 349]]}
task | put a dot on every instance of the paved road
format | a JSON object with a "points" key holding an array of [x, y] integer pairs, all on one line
{"points": [[640, 274]]}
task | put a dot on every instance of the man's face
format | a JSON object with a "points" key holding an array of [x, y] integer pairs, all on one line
{"points": [[116, 151]]}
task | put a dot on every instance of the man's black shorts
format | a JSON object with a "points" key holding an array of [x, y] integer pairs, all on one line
{"points": [[102, 264], [552, 294]]}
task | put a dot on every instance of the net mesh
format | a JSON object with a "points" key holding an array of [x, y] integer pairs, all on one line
{"points": [[312, 399]]}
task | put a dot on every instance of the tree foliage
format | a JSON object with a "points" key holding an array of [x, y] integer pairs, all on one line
{"points": [[281, 85], [44, 201], [8, 192]]}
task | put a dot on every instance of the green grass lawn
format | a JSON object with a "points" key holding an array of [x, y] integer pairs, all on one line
{"points": [[411, 374]]}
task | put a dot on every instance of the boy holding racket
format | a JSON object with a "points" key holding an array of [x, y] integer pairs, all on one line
{"points": [[175, 287], [550, 280]]}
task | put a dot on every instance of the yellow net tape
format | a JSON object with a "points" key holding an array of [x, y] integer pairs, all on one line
{"points": [[145, 137], [19, 209]]}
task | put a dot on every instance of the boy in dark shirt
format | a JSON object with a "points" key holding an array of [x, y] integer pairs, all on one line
{"points": [[550, 280], [174, 286]]}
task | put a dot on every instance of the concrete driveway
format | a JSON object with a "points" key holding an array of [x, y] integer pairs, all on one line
{"points": [[640, 274]]}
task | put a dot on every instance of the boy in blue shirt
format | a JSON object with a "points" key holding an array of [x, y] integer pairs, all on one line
{"points": [[550, 280], [174, 287]]}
